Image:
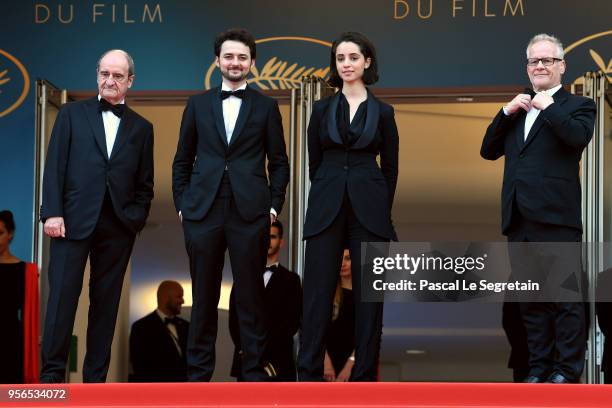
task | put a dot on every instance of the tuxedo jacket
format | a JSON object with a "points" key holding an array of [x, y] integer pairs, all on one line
{"points": [[604, 317], [541, 174], [337, 169], [203, 154], [283, 312], [79, 172], [153, 353]]}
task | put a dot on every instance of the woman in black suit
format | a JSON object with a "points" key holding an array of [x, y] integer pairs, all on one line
{"points": [[349, 202]]}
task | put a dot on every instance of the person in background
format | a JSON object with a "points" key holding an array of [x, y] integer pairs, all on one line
{"points": [[20, 306], [340, 345], [158, 341], [283, 312]]}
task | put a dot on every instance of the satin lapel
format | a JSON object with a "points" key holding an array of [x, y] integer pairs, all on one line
{"points": [[371, 125], [218, 113], [332, 125], [97, 125], [124, 130], [533, 132], [243, 114], [520, 130], [271, 282], [559, 97]]}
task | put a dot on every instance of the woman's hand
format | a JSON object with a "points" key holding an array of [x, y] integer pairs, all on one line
{"points": [[329, 374], [345, 373]]}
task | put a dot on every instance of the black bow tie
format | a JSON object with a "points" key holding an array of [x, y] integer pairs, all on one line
{"points": [[271, 268], [105, 105], [174, 320], [239, 93]]}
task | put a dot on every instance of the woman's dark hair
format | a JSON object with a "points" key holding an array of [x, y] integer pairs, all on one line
{"points": [[236, 34], [7, 218], [370, 75]]}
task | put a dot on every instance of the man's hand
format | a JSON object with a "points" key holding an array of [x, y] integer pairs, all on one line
{"points": [[542, 101], [54, 227], [520, 101]]}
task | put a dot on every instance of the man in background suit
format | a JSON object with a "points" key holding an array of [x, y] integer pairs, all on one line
{"points": [[283, 312], [158, 341], [225, 201], [542, 136], [603, 308], [97, 191]]}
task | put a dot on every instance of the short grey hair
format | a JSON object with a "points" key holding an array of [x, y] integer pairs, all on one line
{"points": [[128, 57], [550, 38]]}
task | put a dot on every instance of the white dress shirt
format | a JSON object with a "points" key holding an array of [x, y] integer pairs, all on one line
{"points": [[231, 109], [111, 125], [172, 329], [268, 274], [533, 113]]}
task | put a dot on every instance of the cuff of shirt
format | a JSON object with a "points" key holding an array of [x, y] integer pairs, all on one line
{"points": [[273, 212]]}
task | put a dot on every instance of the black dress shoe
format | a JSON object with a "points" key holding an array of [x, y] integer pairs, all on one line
{"points": [[532, 379], [558, 378]]}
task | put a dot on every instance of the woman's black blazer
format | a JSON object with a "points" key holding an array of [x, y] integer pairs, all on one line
{"points": [[337, 169]]}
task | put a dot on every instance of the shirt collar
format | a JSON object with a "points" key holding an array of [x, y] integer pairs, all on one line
{"points": [[272, 264], [162, 315], [224, 87], [552, 91], [121, 103]]}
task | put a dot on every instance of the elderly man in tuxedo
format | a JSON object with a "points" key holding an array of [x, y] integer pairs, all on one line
{"points": [[97, 191], [541, 134], [226, 200]]}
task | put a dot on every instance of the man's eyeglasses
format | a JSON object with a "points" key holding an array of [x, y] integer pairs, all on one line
{"points": [[105, 75], [547, 62]]}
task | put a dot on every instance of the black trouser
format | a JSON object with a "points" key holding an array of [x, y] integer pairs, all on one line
{"points": [[206, 241], [322, 270], [556, 331], [109, 248], [517, 337]]}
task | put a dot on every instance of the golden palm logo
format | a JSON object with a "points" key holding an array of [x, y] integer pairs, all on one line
{"points": [[3, 80], [276, 74], [280, 73], [14, 83], [599, 61]]}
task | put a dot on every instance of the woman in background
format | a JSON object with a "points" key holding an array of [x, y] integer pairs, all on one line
{"points": [[19, 304], [340, 345]]}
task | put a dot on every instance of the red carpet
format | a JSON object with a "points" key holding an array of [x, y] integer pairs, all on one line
{"points": [[422, 395]]}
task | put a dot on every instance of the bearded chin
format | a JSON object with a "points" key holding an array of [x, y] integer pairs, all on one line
{"points": [[234, 78]]}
